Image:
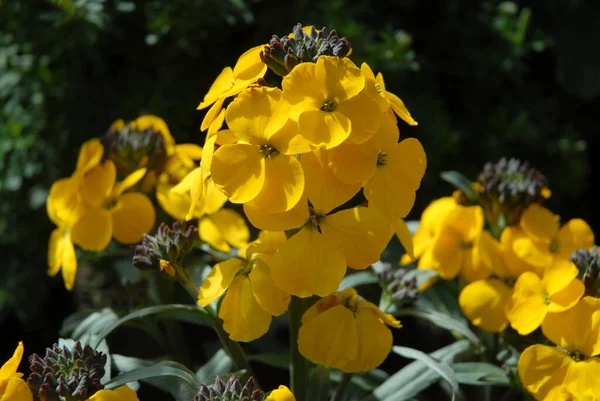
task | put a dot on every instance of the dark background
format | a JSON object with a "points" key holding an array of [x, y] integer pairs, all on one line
{"points": [[484, 79]]}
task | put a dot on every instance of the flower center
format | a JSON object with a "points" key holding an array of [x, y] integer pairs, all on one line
{"points": [[466, 245], [554, 246], [352, 304], [547, 299], [329, 105], [314, 219], [110, 203], [381, 159], [378, 88], [267, 151], [577, 356]]}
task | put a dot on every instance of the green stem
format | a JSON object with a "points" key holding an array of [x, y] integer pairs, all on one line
{"points": [[298, 364], [340, 391]]}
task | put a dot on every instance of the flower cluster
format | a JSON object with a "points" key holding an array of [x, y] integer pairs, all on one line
{"points": [[514, 256]]}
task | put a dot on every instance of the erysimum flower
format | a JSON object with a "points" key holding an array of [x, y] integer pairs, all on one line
{"points": [[12, 386], [375, 88], [345, 332], [223, 229], [533, 298], [252, 297], [483, 302], [314, 260], [327, 100], [281, 394], [122, 393], [546, 240], [261, 166], [230, 82], [574, 365]]}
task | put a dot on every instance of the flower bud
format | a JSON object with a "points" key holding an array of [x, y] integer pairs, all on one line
{"points": [[588, 262], [230, 391]]}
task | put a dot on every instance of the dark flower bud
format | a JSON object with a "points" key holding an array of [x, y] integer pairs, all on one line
{"points": [[588, 263], [403, 290], [230, 391]]}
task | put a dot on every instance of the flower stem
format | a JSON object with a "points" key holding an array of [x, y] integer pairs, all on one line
{"points": [[235, 351], [298, 364], [340, 391]]}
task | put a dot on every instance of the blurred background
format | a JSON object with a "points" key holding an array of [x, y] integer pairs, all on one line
{"points": [[484, 79]]}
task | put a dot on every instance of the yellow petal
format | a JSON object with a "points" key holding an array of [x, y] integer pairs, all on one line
{"points": [[69, 263], [128, 182], [212, 113], [156, 123], [582, 379], [281, 394], [210, 233], [222, 84], [558, 276], [567, 297], [353, 163], [448, 253], [263, 220], [467, 221], [122, 393], [218, 280], [360, 233], [243, 318], [373, 89], [574, 235], [56, 246], [249, 66], [93, 230], [225, 137], [90, 154], [330, 338], [400, 109], [97, 184], [207, 156], [238, 171], [513, 263], [175, 204], [213, 198], [374, 342], [392, 188], [9, 369], [388, 134], [190, 150], [364, 115], [289, 141], [528, 304], [132, 217], [539, 223], [301, 88], [283, 186], [233, 227], [483, 303], [486, 256], [542, 368], [306, 266], [324, 128], [323, 189], [267, 294], [532, 252], [267, 242], [256, 114], [403, 234], [217, 124], [337, 298], [340, 77], [576, 329], [15, 389], [64, 204]]}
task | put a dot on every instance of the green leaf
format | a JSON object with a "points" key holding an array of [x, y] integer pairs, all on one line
{"points": [[441, 368], [367, 381], [357, 279], [161, 375], [480, 374], [459, 181], [441, 320], [416, 376], [318, 386], [276, 360], [186, 313], [95, 323], [219, 364]]}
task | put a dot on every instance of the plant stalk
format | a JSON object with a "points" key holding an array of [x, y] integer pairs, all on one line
{"points": [[298, 364], [340, 391]]}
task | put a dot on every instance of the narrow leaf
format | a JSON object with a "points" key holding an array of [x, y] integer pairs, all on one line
{"points": [[275, 360], [441, 320], [219, 364], [480, 374], [459, 181], [367, 381], [357, 279], [318, 387], [95, 323]]}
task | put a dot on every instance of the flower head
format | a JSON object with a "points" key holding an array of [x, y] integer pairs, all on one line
{"points": [[12, 386], [230, 391]]}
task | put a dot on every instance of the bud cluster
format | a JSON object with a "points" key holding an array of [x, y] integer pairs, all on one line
{"points": [[230, 391], [283, 54], [513, 185], [73, 374], [166, 248], [404, 290], [131, 149], [588, 262]]}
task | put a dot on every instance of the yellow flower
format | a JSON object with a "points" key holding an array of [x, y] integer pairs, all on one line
{"points": [[223, 229], [122, 393], [314, 260], [252, 297], [281, 394], [483, 302], [12, 386], [248, 69], [462, 246], [375, 88], [345, 332], [514, 266], [573, 366], [261, 166], [327, 100], [157, 124], [546, 240], [533, 298]]}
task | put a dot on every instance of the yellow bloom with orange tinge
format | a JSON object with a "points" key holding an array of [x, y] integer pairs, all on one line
{"points": [[248, 69], [12, 385], [314, 260], [573, 366], [251, 298], [534, 298], [281, 394], [261, 167], [375, 88], [546, 240], [345, 332], [328, 101]]}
